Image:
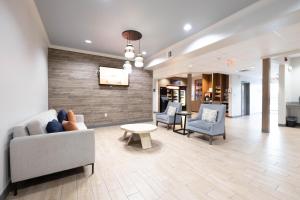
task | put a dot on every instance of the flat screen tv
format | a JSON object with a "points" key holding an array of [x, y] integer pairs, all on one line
{"points": [[113, 76]]}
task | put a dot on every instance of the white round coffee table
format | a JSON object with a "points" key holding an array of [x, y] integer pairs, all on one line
{"points": [[141, 131]]}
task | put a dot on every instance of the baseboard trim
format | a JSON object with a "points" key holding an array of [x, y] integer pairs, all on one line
{"points": [[5, 192], [284, 125], [120, 123]]}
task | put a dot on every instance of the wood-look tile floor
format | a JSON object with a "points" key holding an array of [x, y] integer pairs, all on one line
{"points": [[247, 165]]}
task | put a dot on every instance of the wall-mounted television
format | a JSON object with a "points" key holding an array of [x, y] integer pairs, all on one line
{"points": [[113, 76]]}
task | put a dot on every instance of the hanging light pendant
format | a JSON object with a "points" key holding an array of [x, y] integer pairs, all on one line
{"points": [[127, 67], [132, 35], [139, 60], [129, 51]]}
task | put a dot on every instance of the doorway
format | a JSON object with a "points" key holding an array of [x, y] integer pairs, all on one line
{"points": [[245, 96]]}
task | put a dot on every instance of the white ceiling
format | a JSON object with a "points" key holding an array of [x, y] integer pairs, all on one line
{"points": [[246, 54], [70, 22], [269, 29]]}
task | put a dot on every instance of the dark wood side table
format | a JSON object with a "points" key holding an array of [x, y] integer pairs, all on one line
{"points": [[181, 130]]}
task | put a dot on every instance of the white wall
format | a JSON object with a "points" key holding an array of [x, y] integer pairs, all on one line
{"points": [[292, 81], [235, 94], [23, 75]]}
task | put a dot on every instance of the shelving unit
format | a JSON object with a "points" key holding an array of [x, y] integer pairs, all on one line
{"points": [[173, 94], [215, 88], [198, 90]]}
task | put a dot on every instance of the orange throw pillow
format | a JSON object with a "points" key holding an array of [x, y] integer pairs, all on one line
{"points": [[71, 116], [70, 126]]}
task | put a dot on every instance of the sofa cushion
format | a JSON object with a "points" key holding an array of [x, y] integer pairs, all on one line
{"points": [[20, 131], [209, 115], [62, 115], [35, 127], [70, 126], [71, 116], [43, 118], [54, 126]]}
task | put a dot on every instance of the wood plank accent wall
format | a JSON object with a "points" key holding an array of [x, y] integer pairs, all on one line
{"points": [[74, 84]]}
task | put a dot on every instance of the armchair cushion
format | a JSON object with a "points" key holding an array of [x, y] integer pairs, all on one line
{"points": [[209, 115], [171, 111], [199, 124]]}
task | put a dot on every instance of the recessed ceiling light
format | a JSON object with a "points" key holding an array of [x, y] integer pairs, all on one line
{"points": [[187, 27], [144, 52], [88, 41]]}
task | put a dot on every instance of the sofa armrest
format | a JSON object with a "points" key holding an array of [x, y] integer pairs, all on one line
{"points": [[79, 118], [39, 155]]}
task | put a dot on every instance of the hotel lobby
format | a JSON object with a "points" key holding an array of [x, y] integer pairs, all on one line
{"points": [[139, 100]]}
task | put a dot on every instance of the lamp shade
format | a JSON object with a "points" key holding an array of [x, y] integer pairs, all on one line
{"points": [[127, 67], [139, 61], [129, 51]]}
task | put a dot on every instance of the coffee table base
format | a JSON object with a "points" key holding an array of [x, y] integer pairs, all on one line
{"points": [[145, 139]]}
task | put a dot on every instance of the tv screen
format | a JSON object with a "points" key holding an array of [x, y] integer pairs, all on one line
{"points": [[113, 76]]}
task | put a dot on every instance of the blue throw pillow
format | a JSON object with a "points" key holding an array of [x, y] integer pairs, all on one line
{"points": [[62, 115], [54, 126]]}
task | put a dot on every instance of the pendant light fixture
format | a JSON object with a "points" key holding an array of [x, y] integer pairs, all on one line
{"points": [[132, 35], [127, 67], [139, 60], [129, 51]]}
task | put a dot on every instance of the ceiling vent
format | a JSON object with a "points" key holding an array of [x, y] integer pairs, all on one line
{"points": [[244, 70]]}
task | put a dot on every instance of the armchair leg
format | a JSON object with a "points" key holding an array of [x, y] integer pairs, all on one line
{"points": [[156, 123], [210, 140], [224, 136], [168, 127], [15, 189], [93, 166], [189, 133]]}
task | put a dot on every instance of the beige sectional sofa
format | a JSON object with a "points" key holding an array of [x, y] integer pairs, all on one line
{"points": [[37, 155]]}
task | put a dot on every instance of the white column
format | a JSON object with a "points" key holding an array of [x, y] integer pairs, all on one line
{"points": [[281, 96], [155, 95]]}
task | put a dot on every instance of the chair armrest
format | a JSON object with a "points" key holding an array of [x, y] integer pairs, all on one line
{"points": [[79, 118], [194, 119]]}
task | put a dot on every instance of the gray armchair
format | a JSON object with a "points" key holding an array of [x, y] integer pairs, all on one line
{"points": [[168, 119], [211, 129]]}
